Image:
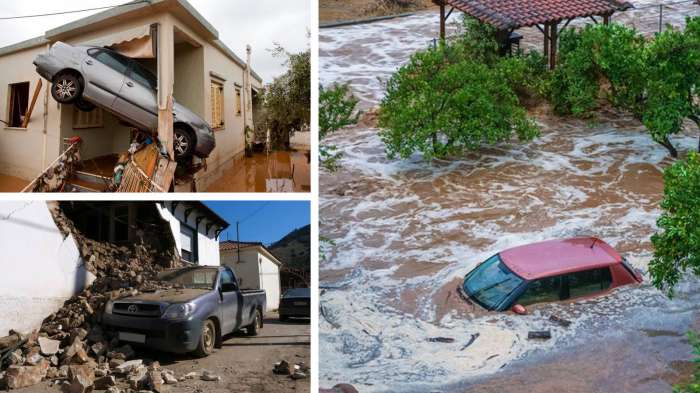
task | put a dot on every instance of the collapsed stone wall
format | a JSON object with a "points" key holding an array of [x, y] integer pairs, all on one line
{"points": [[70, 347]]}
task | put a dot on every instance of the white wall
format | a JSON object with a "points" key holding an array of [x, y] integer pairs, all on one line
{"points": [[255, 271], [270, 281], [207, 243], [40, 269]]}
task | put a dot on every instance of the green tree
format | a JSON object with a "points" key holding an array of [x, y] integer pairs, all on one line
{"points": [[287, 99], [677, 243], [337, 109], [442, 102]]}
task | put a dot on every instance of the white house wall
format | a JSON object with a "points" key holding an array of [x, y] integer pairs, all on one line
{"points": [[51, 267], [255, 271], [270, 278], [207, 244]]}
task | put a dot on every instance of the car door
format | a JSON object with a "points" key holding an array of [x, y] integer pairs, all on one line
{"points": [[229, 299], [104, 75], [138, 99]]}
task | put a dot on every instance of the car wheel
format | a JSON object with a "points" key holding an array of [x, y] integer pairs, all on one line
{"points": [[84, 106], [183, 143], [206, 339], [66, 88], [252, 329]]}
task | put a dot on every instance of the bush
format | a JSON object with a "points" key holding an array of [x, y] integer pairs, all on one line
{"points": [[677, 244], [336, 109], [443, 102]]}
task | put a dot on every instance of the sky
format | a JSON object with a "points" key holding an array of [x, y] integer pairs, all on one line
{"points": [[259, 23], [261, 221]]}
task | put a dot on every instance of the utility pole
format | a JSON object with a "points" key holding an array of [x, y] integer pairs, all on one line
{"points": [[238, 241]]}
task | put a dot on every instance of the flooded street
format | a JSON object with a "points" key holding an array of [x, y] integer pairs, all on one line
{"points": [[278, 171], [404, 234], [11, 183]]}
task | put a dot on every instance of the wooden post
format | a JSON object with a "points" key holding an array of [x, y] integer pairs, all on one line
{"points": [[166, 80], [606, 19], [546, 41], [442, 20], [28, 115], [553, 45]]}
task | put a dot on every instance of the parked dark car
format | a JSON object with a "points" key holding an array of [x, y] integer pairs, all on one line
{"points": [[549, 271], [295, 302], [205, 305], [87, 76]]}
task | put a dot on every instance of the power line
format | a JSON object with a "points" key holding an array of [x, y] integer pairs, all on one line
{"points": [[73, 12], [255, 212]]}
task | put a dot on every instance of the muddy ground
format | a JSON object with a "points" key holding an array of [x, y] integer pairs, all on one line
{"points": [[244, 363], [331, 11], [405, 232]]}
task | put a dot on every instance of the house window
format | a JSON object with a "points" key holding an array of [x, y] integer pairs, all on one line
{"points": [[188, 238], [19, 102], [92, 119], [238, 102], [217, 105]]}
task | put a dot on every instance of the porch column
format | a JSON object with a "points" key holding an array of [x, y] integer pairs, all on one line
{"points": [[166, 81], [546, 41], [442, 20], [553, 45]]}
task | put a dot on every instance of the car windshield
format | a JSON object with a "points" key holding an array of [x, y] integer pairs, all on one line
{"points": [[197, 278], [297, 292], [491, 282]]}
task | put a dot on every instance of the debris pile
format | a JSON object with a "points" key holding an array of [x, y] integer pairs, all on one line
{"points": [[71, 349]]}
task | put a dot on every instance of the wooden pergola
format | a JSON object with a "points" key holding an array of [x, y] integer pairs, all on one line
{"points": [[546, 15]]}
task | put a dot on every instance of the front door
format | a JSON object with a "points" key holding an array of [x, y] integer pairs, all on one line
{"points": [[229, 301]]}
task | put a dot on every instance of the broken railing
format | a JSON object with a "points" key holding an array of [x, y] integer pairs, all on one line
{"points": [[54, 177]]}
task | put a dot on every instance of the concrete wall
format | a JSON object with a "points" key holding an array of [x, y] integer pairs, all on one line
{"points": [[51, 268], [207, 243], [255, 271]]}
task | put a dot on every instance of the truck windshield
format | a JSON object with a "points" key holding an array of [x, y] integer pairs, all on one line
{"points": [[196, 278], [491, 283]]}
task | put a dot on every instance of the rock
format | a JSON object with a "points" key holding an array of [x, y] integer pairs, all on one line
{"points": [[137, 377], [75, 350], [191, 375], [209, 376], [298, 375], [24, 376], [281, 367], [99, 348], [169, 377], [156, 382], [125, 352], [103, 383], [10, 341], [113, 389], [126, 367], [96, 335], [16, 358], [102, 370], [114, 363], [81, 379], [48, 346], [560, 321], [54, 360], [33, 357]]}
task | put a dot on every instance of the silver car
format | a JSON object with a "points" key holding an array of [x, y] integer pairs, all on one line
{"points": [[87, 76]]}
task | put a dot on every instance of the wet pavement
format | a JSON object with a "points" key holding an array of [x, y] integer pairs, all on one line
{"points": [[279, 171], [404, 233]]}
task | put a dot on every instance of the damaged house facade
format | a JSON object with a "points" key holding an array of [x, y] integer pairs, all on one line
{"points": [[167, 37], [54, 250]]}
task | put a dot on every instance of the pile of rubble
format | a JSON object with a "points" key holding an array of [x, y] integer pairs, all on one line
{"points": [[297, 371], [70, 348]]}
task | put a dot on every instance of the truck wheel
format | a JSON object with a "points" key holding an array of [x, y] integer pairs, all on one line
{"points": [[252, 329], [206, 339], [66, 88]]}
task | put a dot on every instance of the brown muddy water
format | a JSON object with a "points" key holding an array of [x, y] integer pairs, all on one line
{"points": [[278, 171], [11, 183], [404, 233]]}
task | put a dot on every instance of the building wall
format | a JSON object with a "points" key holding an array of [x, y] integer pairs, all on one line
{"points": [[51, 267], [207, 243], [255, 271]]}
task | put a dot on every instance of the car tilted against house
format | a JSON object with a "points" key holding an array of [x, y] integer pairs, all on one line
{"points": [[205, 304], [550, 271], [87, 76]]}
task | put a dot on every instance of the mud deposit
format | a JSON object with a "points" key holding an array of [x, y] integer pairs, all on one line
{"points": [[405, 232]]}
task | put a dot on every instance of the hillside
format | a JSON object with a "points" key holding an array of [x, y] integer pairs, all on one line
{"points": [[294, 249], [343, 10]]}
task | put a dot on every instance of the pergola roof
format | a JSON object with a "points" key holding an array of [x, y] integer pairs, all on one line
{"points": [[514, 14]]}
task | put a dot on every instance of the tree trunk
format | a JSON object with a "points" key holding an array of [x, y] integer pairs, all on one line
{"points": [[671, 149], [435, 143]]}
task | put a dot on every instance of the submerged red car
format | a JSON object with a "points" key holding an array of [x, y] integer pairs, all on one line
{"points": [[548, 271]]}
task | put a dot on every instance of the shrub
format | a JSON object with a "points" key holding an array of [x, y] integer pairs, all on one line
{"points": [[443, 102], [336, 110]]}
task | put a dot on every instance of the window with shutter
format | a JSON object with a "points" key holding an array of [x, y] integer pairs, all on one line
{"points": [[217, 105], [238, 102]]}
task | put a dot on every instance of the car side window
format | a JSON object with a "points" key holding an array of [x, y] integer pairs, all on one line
{"points": [[142, 76], [540, 291], [111, 60], [589, 282], [226, 277]]}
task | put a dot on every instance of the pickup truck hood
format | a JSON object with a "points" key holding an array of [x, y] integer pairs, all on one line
{"points": [[169, 295]]}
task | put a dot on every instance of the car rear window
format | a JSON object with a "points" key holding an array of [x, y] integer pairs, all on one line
{"points": [[297, 292]]}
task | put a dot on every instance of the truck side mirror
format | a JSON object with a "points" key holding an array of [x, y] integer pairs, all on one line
{"points": [[519, 309]]}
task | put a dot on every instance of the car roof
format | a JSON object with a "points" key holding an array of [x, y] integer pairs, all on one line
{"points": [[555, 257]]}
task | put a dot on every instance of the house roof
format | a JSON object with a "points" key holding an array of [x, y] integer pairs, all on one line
{"points": [[513, 14], [555, 257], [181, 8], [232, 245]]}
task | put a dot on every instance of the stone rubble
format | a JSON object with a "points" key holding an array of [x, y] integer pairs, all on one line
{"points": [[296, 371]]}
